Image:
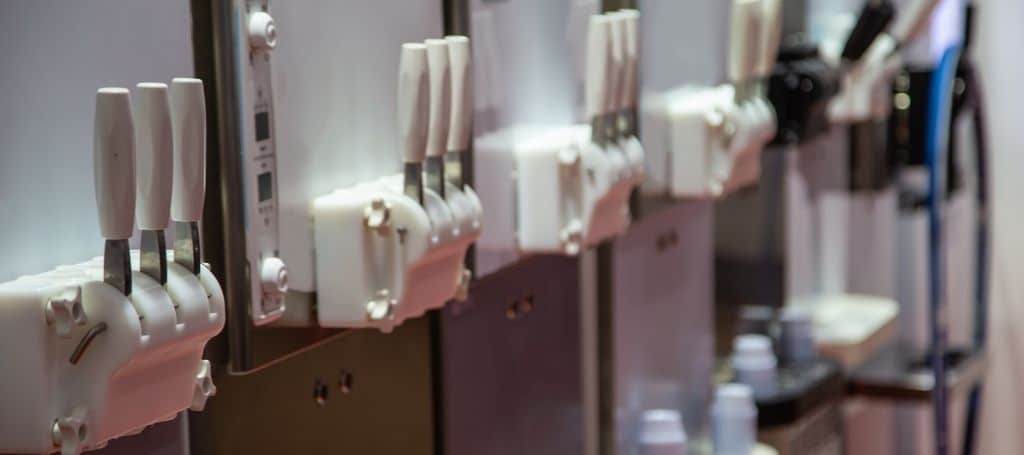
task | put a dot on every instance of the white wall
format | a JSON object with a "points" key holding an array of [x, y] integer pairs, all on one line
{"points": [[999, 35], [56, 54]]}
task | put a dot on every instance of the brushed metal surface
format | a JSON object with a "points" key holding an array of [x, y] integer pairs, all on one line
{"points": [[661, 322], [389, 409], [512, 363]]}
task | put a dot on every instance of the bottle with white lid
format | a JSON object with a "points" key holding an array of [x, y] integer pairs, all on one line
{"points": [[797, 335], [733, 420], [662, 433], [754, 363]]}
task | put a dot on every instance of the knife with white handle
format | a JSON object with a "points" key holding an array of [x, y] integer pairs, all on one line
{"points": [[631, 24], [188, 116], [413, 115], [440, 113], [461, 122], [744, 44], [616, 73], [771, 31], [154, 164], [596, 80], [114, 180]]}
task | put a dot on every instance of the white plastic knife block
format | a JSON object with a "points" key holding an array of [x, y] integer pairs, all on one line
{"points": [[700, 143], [145, 368], [550, 189], [382, 258]]}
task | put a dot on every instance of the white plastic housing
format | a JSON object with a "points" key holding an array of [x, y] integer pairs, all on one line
{"points": [[382, 258], [144, 369], [549, 190], [700, 143]]}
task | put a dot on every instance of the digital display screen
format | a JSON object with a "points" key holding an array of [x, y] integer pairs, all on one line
{"points": [[265, 186], [262, 126]]}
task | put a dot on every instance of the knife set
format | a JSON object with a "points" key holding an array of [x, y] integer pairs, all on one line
{"points": [[390, 249], [110, 346]]}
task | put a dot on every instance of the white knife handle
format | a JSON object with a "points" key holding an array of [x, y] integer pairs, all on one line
{"points": [[631, 24], [114, 163], [744, 39], [413, 102], [596, 80], [616, 62], [461, 123], [188, 114], [154, 156], [440, 96], [771, 25]]}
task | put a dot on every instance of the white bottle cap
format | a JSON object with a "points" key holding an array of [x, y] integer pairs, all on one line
{"points": [[754, 362], [733, 420], [662, 433]]}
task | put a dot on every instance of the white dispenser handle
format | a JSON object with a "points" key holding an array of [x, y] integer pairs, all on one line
{"points": [[440, 96], [631, 42], [413, 102], [596, 81], [154, 150], [616, 63], [188, 112], [114, 163], [461, 122], [744, 39], [771, 25]]}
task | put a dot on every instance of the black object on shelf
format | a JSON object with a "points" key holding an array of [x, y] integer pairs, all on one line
{"points": [[898, 373], [801, 390], [875, 17], [799, 89]]}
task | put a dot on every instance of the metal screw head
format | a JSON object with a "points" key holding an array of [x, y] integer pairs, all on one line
{"points": [[377, 215], [345, 381], [320, 393], [65, 310], [382, 307], [572, 237], [525, 305]]}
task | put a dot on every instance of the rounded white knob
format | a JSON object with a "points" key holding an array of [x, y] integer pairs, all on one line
{"points": [[262, 31], [274, 276]]}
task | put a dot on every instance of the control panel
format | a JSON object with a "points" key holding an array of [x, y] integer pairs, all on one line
{"points": [[268, 274]]}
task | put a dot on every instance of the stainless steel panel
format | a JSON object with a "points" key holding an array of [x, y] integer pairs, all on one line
{"points": [[335, 126], [662, 322], [512, 363], [387, 410]]}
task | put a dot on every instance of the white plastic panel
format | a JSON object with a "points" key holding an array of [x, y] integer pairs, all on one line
{"points": [[335, 72], [56, 54]]}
